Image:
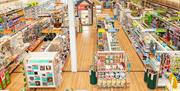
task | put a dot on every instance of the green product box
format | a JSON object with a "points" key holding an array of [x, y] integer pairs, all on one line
{"points": [[1, 87], [7, 77], [4, 83]]}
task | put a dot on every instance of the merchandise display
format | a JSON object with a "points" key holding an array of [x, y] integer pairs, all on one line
{"points": [[166, 31], [145, 44], [154, 37], [107, 40], [166, 22], [4, 79], [5, 53], [110, 61], [11, 53], [111, 69], [43, 70], [12, 21], [35, 9], [169, 64], [135, 9], [61, 45], [172, 84]]}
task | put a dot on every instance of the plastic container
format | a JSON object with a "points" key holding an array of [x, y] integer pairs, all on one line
{"points": [[146, 75], [93, 78], [152, 81]]}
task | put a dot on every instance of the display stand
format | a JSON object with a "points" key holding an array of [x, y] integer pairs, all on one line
{"points": [[5, 52], [110, 62], [141, 39], [60, 44], [168, 65], [152, 49], [111, 69], [43, 70], [168, 27]]}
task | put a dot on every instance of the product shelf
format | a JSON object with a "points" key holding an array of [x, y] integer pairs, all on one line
{"points": [[112, 61]]}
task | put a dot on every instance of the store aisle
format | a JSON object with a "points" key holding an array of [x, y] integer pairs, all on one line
{"points": [[86, 47], [86, 43], [125, 44]]}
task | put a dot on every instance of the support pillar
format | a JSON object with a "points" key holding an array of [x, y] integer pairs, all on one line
{"points": [[72, 32]]}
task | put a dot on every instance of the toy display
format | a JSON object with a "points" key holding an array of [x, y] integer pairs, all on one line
{"points": [[11, 22], [5, 53], [43, 70], [111, 69], [102, 40], [169, 64], [60, 44], [145, 44], [166, 22], [154, 37]]}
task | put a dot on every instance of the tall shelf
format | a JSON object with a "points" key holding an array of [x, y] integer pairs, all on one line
{"points": [[145, 35]]}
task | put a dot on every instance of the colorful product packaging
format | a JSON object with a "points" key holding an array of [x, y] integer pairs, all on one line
{"points": [[7, 77], [1, 87], [2, 77]]}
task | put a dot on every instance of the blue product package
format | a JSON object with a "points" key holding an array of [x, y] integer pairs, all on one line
{"points": [[112, 30]]}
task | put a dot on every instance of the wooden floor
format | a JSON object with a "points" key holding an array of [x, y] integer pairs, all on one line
{"points": [[86, 47]]}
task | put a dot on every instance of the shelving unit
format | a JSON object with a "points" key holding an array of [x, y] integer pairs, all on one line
{"points": [[169, 64], [43, 70], [140, 38], [110, 61], [165, 31], [12, 22], [144, 38], [61, 45], [111, 70]]}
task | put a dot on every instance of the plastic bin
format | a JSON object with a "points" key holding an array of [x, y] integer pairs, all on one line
{"points": [[146, 75], [152, 81], [93, 78]]}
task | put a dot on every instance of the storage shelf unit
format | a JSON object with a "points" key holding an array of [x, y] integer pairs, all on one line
{"points": [[43, 70], [110, 61]]}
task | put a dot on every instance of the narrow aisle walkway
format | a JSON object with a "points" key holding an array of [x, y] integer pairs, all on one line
{"points": [[86, 43], [127, 46]]}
